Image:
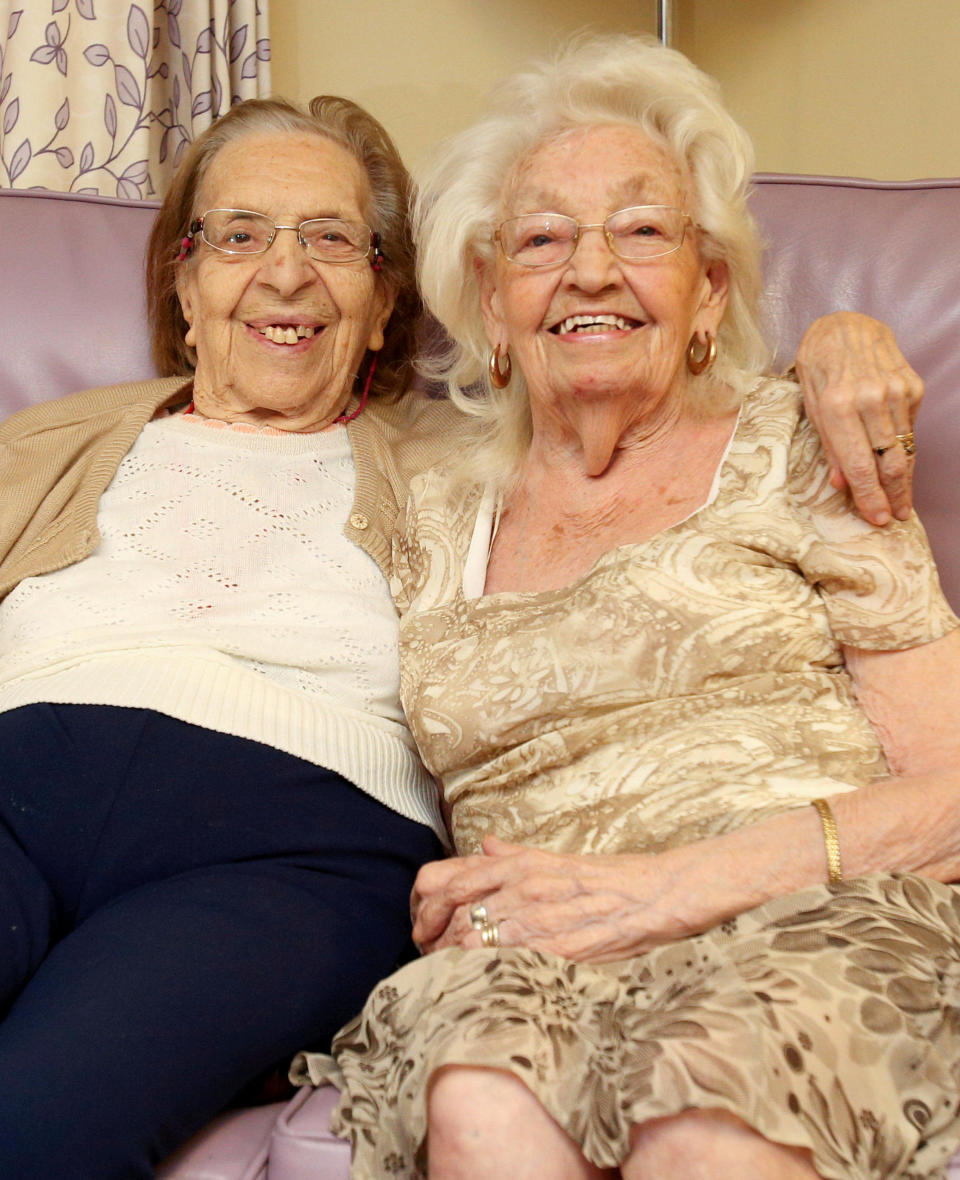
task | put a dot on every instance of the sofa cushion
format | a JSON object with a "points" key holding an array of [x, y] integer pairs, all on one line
{"points": [[303, 1147], [234, 1146]]}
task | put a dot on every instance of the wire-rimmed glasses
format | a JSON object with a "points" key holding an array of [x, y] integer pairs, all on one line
{"points": [[636, 234], [327, 239]]}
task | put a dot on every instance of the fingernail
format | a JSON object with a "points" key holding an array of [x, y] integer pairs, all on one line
{"points": [[882, 518]]}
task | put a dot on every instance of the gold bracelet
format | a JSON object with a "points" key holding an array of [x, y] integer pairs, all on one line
{"points": [[830, 840]]}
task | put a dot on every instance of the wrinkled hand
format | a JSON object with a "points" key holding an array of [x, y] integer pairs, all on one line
{"points": [[589, 908], [860, 393]]}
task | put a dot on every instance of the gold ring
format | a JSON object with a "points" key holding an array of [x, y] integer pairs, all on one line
{"points": [[905, 440], [490, 933], [478, 916]]}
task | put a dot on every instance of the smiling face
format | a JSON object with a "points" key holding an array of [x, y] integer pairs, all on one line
{"points": [[279, 336], [597, 328]]}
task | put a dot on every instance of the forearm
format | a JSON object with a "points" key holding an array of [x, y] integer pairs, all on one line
{"points": [[601, 908], [898, 824], [911, 824]]}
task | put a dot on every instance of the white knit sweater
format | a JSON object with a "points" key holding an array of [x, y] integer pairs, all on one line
{"points": [[224, 593]]}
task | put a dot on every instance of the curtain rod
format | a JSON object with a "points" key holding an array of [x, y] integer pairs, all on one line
{"points": [[665, 21]]}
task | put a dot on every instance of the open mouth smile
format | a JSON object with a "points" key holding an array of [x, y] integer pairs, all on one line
{"points": [[594, 324], [288, 333]]}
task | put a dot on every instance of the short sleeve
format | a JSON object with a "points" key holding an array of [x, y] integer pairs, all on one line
{"points": [[879, 585]]}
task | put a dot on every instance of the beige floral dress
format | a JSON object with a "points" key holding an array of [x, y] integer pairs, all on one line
{"points": [[686, 685]]}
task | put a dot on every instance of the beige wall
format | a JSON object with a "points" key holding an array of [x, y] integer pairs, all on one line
{"points": [[849, 87], [424, 67], [843, 87]]}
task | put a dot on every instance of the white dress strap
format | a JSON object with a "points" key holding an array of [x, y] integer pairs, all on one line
{"points": [[478, 555]]}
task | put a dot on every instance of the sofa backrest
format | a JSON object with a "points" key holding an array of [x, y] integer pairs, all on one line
{"points": [[885, 248], [72, 307]]}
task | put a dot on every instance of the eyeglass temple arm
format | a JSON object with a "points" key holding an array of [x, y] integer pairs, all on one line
{"points": [[379, 258], [186, 242]]}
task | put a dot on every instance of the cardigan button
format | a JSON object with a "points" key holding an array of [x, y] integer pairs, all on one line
{"points": [[358, 520]]}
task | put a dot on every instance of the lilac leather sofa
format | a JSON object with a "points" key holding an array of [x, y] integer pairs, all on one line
{"points": [[72, 316]]}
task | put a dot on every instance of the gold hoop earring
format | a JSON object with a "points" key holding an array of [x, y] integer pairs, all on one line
{"points": [[499, 378], [697, 364]]}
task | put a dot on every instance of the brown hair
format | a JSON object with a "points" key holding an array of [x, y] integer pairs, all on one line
{"points": [[350, 126]]}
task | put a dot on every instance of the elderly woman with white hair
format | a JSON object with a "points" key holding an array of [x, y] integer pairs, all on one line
{"points": [[694, 720]]}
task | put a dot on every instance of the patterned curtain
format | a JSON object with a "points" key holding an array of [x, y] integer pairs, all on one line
{"points": [[102, 96]]}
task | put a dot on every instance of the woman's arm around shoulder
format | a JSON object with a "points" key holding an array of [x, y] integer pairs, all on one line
{"points": [[861, 393]]}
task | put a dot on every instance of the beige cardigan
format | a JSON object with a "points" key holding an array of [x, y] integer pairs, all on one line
{"points": [[57, 459]]}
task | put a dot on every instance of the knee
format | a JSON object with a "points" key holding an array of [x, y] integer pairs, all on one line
{"points": [[695, 1144], [456, 1103], [468, 1107], [677, 1139]]}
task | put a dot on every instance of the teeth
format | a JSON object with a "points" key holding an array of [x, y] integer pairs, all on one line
{"points": [[595, 323], [286, 335]]}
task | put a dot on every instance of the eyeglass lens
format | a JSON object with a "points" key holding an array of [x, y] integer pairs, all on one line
{"points": [[328, 239], [635, 234]]}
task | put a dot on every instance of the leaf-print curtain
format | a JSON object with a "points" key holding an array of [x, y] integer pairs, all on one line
{"points": [[102, 96]]}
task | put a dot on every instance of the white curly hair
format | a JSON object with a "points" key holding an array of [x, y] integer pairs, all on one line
{"points": [[593, 81]]}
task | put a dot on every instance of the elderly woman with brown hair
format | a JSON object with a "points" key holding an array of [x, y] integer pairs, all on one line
{"points": [[209, 790], [693, 719]]}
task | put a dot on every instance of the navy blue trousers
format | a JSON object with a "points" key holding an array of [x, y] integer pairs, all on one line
{"points": [[179, 911]]}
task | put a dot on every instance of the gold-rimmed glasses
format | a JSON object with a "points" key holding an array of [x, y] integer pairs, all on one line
{"points": [[636, 234]]}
